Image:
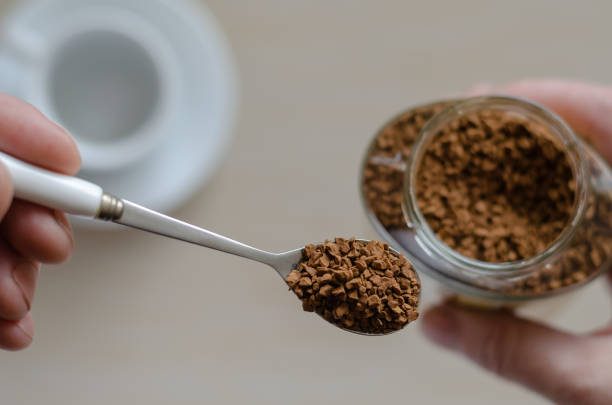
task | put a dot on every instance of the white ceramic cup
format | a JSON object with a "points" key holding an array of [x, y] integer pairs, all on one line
{"points": [[107, 75]]}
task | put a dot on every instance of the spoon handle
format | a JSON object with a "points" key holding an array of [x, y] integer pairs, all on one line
{"points": [[136, 216], [53, 190], [79, 197]]}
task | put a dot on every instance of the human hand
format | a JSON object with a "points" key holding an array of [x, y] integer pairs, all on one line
{"points": [[29, 234], [567, 368]]}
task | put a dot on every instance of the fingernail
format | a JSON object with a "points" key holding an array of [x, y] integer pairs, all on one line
{"points": [[24, 274], [62, 221], [440, 325], [26, 325]]}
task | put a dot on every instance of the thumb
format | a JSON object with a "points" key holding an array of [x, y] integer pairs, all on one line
{"points": [[534, 355], [586, 107]]}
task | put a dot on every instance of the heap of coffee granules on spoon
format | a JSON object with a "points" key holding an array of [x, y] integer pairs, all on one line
{"points": [[357, 285], [495, 187]]}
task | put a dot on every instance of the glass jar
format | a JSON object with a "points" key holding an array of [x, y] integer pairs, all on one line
{"points": [[581, 252]]}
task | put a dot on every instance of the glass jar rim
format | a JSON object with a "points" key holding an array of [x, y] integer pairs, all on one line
{"points": [[417, 221]]}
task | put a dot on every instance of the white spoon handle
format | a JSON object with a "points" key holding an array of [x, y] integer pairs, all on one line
{"points": [[53, 190], [80, 197]]}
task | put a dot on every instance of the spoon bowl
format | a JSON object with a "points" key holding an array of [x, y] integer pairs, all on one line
{"points": [[288, 261]]}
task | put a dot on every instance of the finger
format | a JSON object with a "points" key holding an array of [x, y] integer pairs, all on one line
{"points": [[587, 108], [27, 134], [17, 284], [37, 233], [16, 335], [531, 354]]}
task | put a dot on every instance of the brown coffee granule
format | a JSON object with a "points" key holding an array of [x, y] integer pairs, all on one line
{"points": [[495, 187], [357, 285], [383, 174], [589, 250]]}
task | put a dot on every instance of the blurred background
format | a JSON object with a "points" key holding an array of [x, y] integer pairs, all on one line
{"points": [[135, 318]]}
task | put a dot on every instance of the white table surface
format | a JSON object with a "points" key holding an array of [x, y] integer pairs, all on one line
{"points": [[137, 319]]}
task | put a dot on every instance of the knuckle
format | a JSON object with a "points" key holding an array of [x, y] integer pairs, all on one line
{"points": [[12, 307], [497, 349]]}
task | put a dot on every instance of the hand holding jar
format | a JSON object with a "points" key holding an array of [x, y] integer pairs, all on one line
{"points": [[566, 368]]}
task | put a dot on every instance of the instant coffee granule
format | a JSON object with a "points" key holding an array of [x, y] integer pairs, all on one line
{"points": [[383, 174], [357, 285], [589, 250], [495, 186]]}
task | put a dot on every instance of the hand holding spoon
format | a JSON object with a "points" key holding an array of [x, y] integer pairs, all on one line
{"points": [[79, 197]]}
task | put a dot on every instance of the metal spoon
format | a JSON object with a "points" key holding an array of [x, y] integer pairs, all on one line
{"points": [[79, 197]]}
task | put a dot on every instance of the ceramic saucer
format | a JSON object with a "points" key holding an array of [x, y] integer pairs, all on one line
{"points": [[188, 156]]}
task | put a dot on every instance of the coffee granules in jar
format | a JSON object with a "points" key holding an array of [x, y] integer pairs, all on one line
{"points": [[588, 230], [357, 285], [589, 251], [495, 187], [383, 173]]}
